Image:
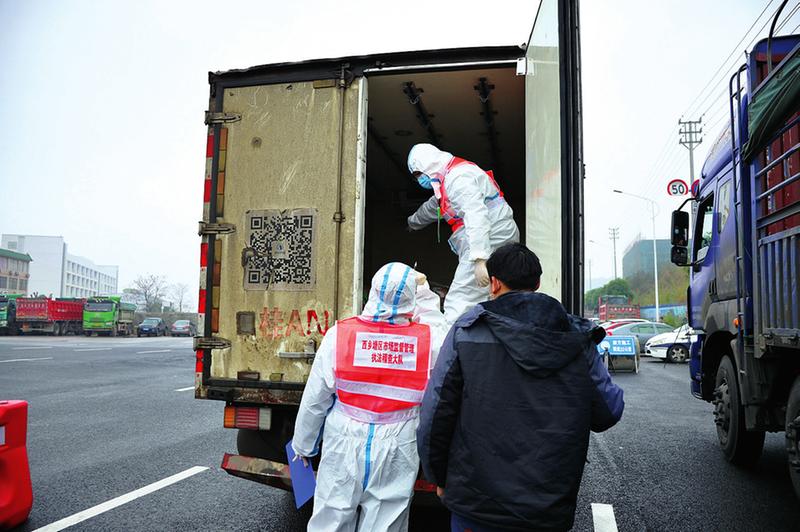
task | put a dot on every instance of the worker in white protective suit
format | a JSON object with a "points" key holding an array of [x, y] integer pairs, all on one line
{"points": [[365, 387], [471, 202]]}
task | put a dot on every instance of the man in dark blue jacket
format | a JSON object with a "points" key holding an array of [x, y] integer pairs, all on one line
{"points": [[517, 387]]}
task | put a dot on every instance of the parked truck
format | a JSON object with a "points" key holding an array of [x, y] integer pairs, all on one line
{"points": [[744, 297], [8, 313], [56, 317], [616, 308], [307, 191], [108, 315]]}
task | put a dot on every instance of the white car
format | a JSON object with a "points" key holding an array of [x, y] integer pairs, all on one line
{"points": [[674, 346]]}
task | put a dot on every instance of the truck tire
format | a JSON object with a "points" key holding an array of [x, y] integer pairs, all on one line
{"points": [[740, 446], [793, 435], [269, 444]]}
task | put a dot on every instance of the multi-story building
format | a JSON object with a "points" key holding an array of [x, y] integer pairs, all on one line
{"points": [[83, 278], [14, 272], [638, 257], [56, 272]]}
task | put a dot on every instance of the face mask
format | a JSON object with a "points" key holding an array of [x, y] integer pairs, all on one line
{"points": [[424, 181]]}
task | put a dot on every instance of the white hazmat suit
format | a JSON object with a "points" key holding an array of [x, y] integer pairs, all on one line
{"points": [[488, 221], [371, 465]]}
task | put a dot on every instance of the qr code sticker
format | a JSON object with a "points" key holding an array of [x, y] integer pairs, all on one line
{"points": [[280, 250]]}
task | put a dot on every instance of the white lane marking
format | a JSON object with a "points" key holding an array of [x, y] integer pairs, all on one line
{"points": [[185, 389], [119, 501], [36, 347], [26, 359], [156, 351], [603, 518], [93, 349]]}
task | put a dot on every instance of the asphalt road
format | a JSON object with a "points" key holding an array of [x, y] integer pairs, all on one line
{"points": [[109, 416]]}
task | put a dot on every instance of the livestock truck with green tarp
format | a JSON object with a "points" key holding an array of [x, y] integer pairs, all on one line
{"points": [[108, 315], [8, 312]]}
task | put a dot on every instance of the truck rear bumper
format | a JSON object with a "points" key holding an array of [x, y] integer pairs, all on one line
{"points": [[276, 474], [258, 470]]}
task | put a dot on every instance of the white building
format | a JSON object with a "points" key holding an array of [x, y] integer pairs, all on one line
{"points": [[54, 271], [84, 278]]}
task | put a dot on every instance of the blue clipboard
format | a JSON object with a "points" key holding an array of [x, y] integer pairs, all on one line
{"points": [[303, 481]]}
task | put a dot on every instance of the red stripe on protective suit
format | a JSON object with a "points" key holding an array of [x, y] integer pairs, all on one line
{"points": [[379, 363], [448, 213]]}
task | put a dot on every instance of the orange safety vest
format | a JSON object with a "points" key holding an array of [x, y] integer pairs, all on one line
{"points": [[446, 208], [381, 369]]}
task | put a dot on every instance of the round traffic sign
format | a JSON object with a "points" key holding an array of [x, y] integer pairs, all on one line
{"points": [[696, 187], [677, 187]]}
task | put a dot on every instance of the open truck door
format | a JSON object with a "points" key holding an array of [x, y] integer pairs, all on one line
{"points": [[279, 234], [554, 150]]}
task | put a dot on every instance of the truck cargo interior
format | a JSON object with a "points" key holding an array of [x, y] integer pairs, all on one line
{"points": [[478, 115]]}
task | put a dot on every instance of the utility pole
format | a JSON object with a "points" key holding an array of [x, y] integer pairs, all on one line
{"points": [[613, 235], [690, 132]]}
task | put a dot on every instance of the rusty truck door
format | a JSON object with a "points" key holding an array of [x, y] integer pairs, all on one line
{"points": [[282, 229]]}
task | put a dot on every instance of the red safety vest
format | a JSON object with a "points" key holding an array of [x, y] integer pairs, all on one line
{"points": [[381, 369], [446, 208]]}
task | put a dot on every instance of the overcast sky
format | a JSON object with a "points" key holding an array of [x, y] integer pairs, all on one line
{"points": [[102, 103]]}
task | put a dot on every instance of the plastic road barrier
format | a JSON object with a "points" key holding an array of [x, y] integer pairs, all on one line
{"points": [[16, 495]]}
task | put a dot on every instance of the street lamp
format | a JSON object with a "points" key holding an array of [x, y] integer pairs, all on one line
{"points": [[655, 253]]}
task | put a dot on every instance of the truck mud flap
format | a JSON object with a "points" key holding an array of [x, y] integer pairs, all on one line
{"points": [[273, 474]]}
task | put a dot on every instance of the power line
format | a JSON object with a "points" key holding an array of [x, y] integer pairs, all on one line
{"points": [[733, 52], [724, 89], [723, 80], [668, 154], [789, 16], [664, 159]]}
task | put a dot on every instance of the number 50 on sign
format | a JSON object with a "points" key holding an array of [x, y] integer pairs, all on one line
{"points": [[677, 187]]}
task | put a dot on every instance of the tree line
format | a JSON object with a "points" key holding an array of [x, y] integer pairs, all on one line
{"points": [[156, 293]]}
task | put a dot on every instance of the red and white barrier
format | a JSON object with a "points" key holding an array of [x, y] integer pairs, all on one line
{"points": [[16, 495]]}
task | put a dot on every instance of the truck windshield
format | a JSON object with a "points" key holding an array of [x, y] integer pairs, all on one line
{"points": [[3, 305], [99, 307]]}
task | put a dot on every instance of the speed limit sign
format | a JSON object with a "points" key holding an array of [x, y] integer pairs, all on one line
{"points": [[677, 187]]}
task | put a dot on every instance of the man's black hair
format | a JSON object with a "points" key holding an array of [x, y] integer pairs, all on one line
{"points": [[516, 265]]}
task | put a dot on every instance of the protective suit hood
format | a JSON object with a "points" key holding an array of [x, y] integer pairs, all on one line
{"points": [[393, 294], [428, 159]]}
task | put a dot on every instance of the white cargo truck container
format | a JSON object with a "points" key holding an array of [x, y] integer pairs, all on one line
{"points": [[307, 193]]}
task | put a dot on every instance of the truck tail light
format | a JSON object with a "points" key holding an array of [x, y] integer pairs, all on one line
{"points": [[198, 361], [247, 417]]}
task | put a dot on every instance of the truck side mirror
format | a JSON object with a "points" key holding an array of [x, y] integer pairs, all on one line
{"points": [[679, 237], [680, 228], [679, 256]]}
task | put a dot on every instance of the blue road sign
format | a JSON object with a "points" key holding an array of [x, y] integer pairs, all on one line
{"points": [[618, 346]]}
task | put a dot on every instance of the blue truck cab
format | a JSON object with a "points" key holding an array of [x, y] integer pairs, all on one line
{"points": [[744, 256]]}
